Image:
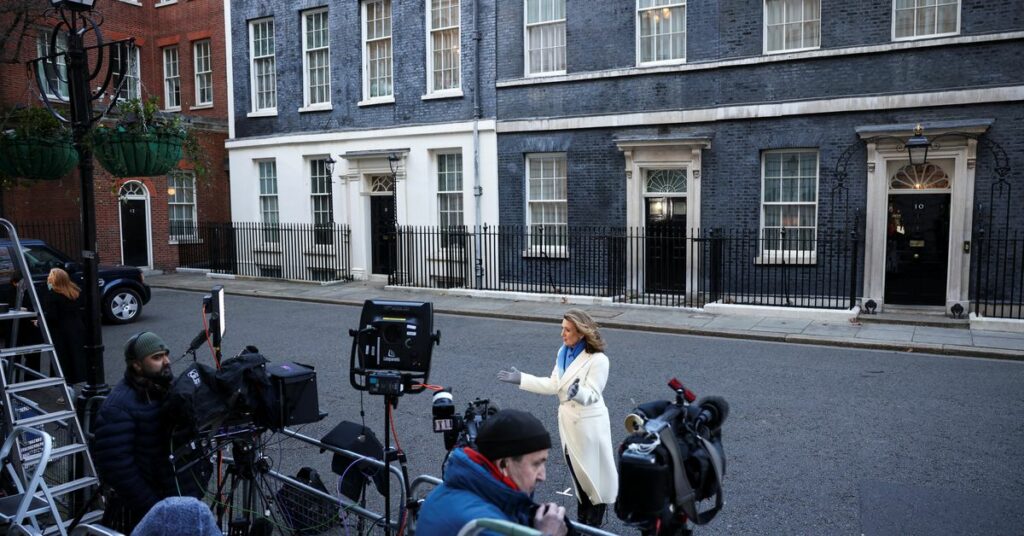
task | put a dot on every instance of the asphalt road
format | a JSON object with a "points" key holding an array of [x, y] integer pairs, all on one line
{"points": [[819, 440]]}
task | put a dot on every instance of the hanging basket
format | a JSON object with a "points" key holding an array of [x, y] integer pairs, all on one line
{"points": [[35, 157], [138, 154]]}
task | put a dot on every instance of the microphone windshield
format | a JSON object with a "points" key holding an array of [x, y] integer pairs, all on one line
{"points": [[718, 409]]}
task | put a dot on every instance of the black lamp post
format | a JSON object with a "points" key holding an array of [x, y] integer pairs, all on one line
{"points": [[393, 163], [76, 20]]}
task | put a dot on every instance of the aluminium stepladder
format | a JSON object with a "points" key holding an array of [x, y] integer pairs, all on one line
{"points": [[34, 394]]}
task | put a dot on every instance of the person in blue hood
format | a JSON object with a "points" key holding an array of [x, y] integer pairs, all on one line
{"points": [[496, 480]]}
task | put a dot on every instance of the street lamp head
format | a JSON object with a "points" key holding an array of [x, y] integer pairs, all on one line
{"points": [[329, 164], [917, 147], [74, 5], [393, 160]]}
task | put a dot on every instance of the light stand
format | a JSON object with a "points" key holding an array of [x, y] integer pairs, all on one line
{"points": [[77, 20]]}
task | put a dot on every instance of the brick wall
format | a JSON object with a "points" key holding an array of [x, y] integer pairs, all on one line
{"points": [[409, 69], [182, 23]]}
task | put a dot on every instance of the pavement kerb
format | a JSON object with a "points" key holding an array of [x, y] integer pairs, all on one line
{"points": [[795, 338]]}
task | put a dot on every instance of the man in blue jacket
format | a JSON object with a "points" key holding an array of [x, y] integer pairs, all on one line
{"points": [[131, 442], [496, 480]]}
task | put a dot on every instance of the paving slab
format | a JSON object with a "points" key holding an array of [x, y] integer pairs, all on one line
{"points": [[998, 342], [831, 329], [886, 333], [782, 325], [733, 322]]}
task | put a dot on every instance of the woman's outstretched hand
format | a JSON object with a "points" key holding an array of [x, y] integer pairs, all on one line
{"points": [[510, 376]]}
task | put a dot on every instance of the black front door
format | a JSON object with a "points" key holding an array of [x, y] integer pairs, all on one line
{"points": [[382, 234], [665, 266], [134, 241], [917, 249]]}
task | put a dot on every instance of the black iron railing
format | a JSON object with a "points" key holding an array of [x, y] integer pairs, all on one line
{"points": [[652, 265], [65, 236], [299, 251], [999, 274]]}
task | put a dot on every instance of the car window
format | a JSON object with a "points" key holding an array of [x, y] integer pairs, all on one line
{"points": [[40, 260]]}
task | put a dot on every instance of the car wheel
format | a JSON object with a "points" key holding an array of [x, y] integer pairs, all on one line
{"points": [[122, 306]]}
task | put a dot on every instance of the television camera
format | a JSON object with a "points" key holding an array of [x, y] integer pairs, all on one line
{"points": [[459, 430], [671, 463]]}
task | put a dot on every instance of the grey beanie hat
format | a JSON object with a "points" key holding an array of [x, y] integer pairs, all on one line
{"points": [[144, 344]]}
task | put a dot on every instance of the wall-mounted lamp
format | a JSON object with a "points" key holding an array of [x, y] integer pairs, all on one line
{"points": [[917, 147], [329, 164]]}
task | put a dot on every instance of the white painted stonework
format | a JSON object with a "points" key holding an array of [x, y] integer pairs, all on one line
{"points": [[417, 176]]}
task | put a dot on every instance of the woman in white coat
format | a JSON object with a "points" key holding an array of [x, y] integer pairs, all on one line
{"points": [[578, 380]]}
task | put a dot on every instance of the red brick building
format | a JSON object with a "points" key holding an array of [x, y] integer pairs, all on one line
{"points": [[179, 42]]}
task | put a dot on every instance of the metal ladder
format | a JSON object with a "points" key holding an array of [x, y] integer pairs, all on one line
{"points": [[36, 396]]}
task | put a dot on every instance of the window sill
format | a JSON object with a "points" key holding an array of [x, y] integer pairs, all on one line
{"points": [[546, 253], [663, 63], [546, 73], [173, 109], [201, 106], [263, 113], [131, 2], [267, 247], [922, 37], [377, 100], [443, 94], [788, 257], [325, 107], [165, 3], [790, 50], [178, 240]]}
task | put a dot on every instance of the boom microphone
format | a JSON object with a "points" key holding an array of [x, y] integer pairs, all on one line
{"points": [[713, 411], [197, 341]]}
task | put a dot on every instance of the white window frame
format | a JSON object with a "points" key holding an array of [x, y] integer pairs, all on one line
{"points": [[639, 49], [203, 73], [786, 21], [959, 18], [133, 87], [459, 193], [172, 201], [266, 173], [307, 53], [256, 111], [327, 185], [526, 40], [779, 256], [540, 249], [43, 49], [172, 78], [433, 91], [389, 39]]}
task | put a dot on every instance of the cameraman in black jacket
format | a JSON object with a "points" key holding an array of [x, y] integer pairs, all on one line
{"points": [[132, 442]]}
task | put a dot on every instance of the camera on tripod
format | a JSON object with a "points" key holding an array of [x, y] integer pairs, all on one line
{"points": [[672, 460], [459, 430]]}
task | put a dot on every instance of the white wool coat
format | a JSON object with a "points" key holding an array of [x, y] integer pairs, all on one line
{"points": [[583, 423]]}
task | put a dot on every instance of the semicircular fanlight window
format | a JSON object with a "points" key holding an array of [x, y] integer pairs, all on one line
{"points": [[668, 181], [925, 176]]}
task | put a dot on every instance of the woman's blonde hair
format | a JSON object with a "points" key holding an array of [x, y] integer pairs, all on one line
{"points": [[62, 284], [587, 327]]}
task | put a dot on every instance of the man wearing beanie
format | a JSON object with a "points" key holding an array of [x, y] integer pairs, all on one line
{"points": [[496, 480], [131, 443]]}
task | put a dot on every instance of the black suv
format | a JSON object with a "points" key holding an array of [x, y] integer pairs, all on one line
{"points": [[124, 290]]}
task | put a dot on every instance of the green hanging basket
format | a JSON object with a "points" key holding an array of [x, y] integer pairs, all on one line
{"points": [[36, 157], [138, 154]]}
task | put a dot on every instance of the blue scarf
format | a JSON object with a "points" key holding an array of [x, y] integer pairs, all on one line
{"points": [[567, 355]]}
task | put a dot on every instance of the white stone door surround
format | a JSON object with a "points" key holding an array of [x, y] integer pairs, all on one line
{"points": [[662, 153], [881, 154]]}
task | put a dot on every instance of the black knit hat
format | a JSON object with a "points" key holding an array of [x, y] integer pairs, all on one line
{"points": [[510, 433]]}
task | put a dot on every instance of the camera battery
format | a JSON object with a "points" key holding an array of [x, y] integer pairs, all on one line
{"points": [[385, 382]]}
